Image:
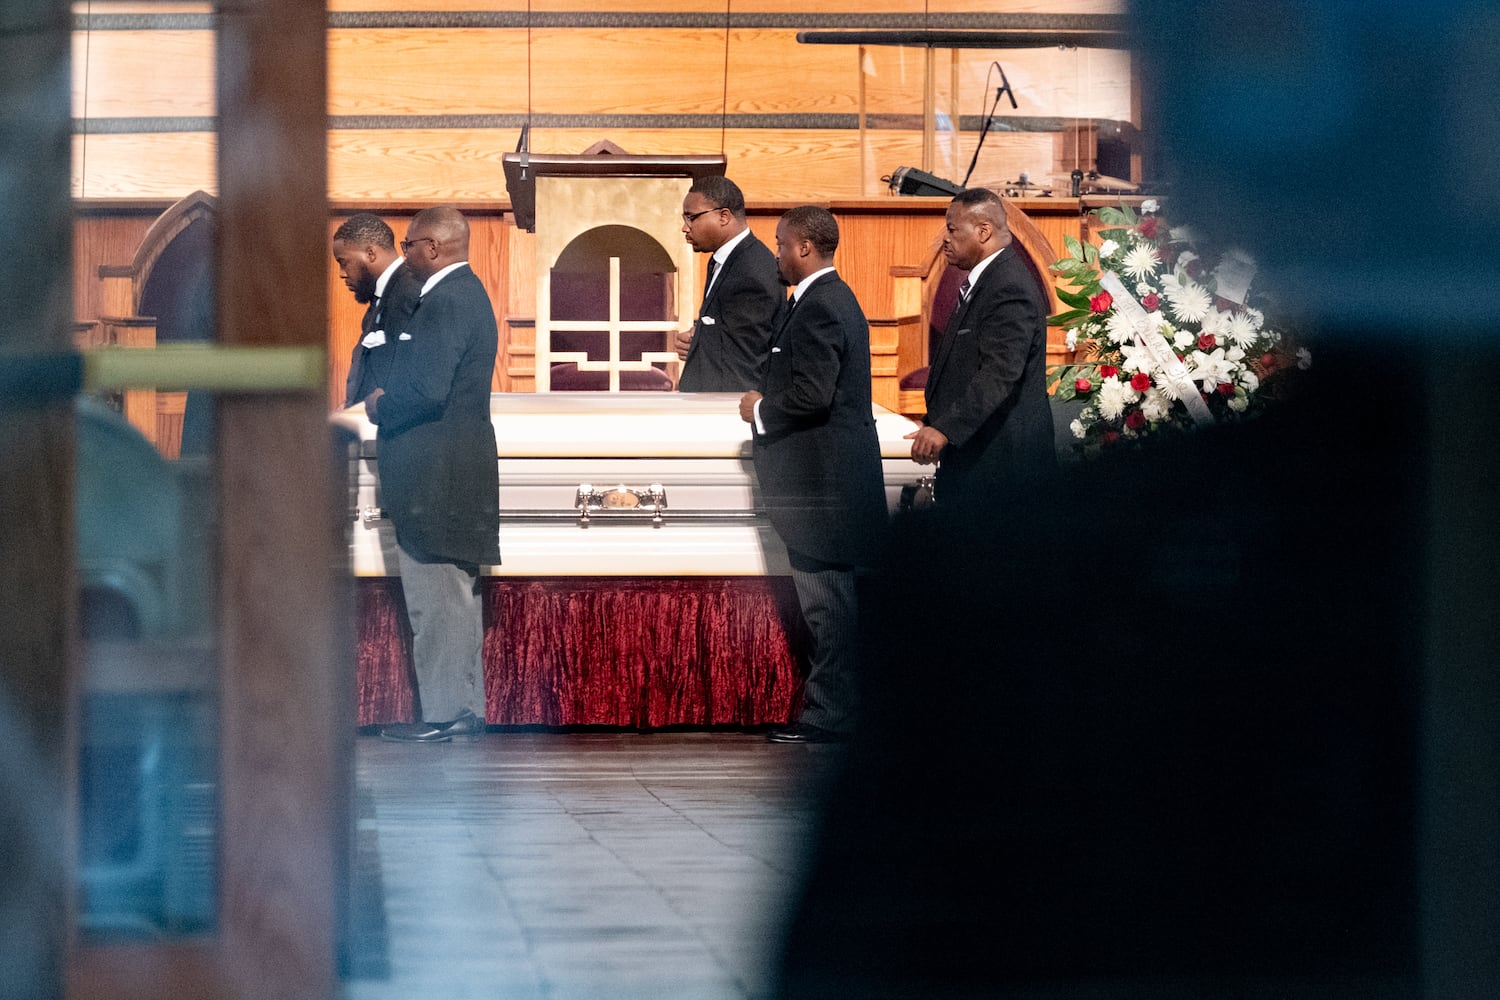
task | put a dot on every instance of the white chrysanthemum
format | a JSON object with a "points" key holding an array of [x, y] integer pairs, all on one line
{"points": [[1078, 429], [1208, 370], [1189, 302], [1304, 358], [1155, 405], [1239, 404], [1256, 317], [1249, 380], [1121, 328], [1108, 247], [1113, 395], [1141, 261], [1241, 330], [1135, 358], [1182, 340], [1149, 206], [1072, 340], [1166, 388], [1216, 323]]}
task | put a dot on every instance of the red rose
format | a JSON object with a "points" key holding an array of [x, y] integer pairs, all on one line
{"points": [[1206, 342], [1100, 303], [1148, 227], [1135, 420], [1110, 437], [1082, 385], [1152, 302], [1108, 371], [1140, 381], [1269, 363], [1226, 388]]}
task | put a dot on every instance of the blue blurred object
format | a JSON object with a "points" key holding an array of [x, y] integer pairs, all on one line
{"points": [[147, 767], [1351, 146]]}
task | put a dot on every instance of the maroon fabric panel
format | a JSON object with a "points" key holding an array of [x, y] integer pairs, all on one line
{"points": [[644, 652], [385, 679]]}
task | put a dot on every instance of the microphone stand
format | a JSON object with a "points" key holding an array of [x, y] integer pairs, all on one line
{"points": [[989, 119]]}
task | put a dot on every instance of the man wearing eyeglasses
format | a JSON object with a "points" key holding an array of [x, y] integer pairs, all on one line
{"points": [[731, 339], [438, 474]]}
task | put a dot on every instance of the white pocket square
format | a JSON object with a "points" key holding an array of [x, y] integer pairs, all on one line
{"points": [[404, 336], [706, 320], [374, 338], [775, 350]]}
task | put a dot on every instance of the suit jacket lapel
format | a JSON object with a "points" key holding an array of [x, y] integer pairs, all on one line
{"points": [[945, 348]]}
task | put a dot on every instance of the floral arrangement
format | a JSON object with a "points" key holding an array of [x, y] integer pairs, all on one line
{"points": [[1171, 337]]}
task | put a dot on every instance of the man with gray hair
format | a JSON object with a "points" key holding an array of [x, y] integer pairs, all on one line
{"points": [[439, 477]]}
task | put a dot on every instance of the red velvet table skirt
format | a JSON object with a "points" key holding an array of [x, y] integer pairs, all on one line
{"points": [[641, 652]]}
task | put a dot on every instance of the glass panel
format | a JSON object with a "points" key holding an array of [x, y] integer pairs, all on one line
{"points": [[146, 515], [1072, 110]]}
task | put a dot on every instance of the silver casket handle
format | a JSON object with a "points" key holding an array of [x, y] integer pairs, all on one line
{"points": [[621, 502]]}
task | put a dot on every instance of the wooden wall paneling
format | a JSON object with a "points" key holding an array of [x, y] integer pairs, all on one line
{"points": [[913, 7], [151, 73], [144, 165], [100, 239], [489, 251], [518, 322]]}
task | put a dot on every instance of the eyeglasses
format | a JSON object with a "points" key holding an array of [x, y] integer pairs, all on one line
{"points": [[408, 244], [688, 218]]}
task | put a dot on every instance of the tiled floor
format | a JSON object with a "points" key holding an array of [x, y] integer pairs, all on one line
{"points": [[577, 865]]}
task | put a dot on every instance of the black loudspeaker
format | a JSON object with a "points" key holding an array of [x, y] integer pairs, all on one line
{"points": [[910, 180]]}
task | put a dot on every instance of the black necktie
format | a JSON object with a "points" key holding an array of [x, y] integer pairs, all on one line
{"points": [[713, 265], [963, 292]]}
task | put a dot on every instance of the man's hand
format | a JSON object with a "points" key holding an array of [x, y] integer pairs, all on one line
{"points": [[747, 406], [926, 445], [371, 404], [681, 341]]}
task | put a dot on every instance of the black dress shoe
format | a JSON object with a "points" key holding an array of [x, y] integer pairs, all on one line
{"points": [[466, 727], [801, 732]]}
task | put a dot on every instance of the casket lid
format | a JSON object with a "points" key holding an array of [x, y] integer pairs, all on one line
{"points": [[629, 425]]}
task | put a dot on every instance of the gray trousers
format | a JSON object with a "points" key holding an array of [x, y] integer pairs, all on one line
{"points": [[828, 596], [447, 625]]}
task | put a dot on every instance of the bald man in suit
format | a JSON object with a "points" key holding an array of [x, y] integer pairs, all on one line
{"points": [[439, 474], [988, 422]]}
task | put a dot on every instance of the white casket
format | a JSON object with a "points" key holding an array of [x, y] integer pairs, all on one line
{"points": [[617, 484]]}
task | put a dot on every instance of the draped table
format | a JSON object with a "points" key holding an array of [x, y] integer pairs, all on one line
{"points": [[672, 607]]}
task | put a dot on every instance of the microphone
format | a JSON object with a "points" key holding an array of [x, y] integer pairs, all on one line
{"points": [[1005, 89], [523, 146]]}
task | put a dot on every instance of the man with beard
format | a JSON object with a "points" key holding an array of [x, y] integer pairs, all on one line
{"points": [[365, 249]]}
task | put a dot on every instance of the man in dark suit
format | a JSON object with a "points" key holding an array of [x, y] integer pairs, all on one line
{"points": [[438, 473], [988, 420], [365, 249], [726, 351], [817, 458]]}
